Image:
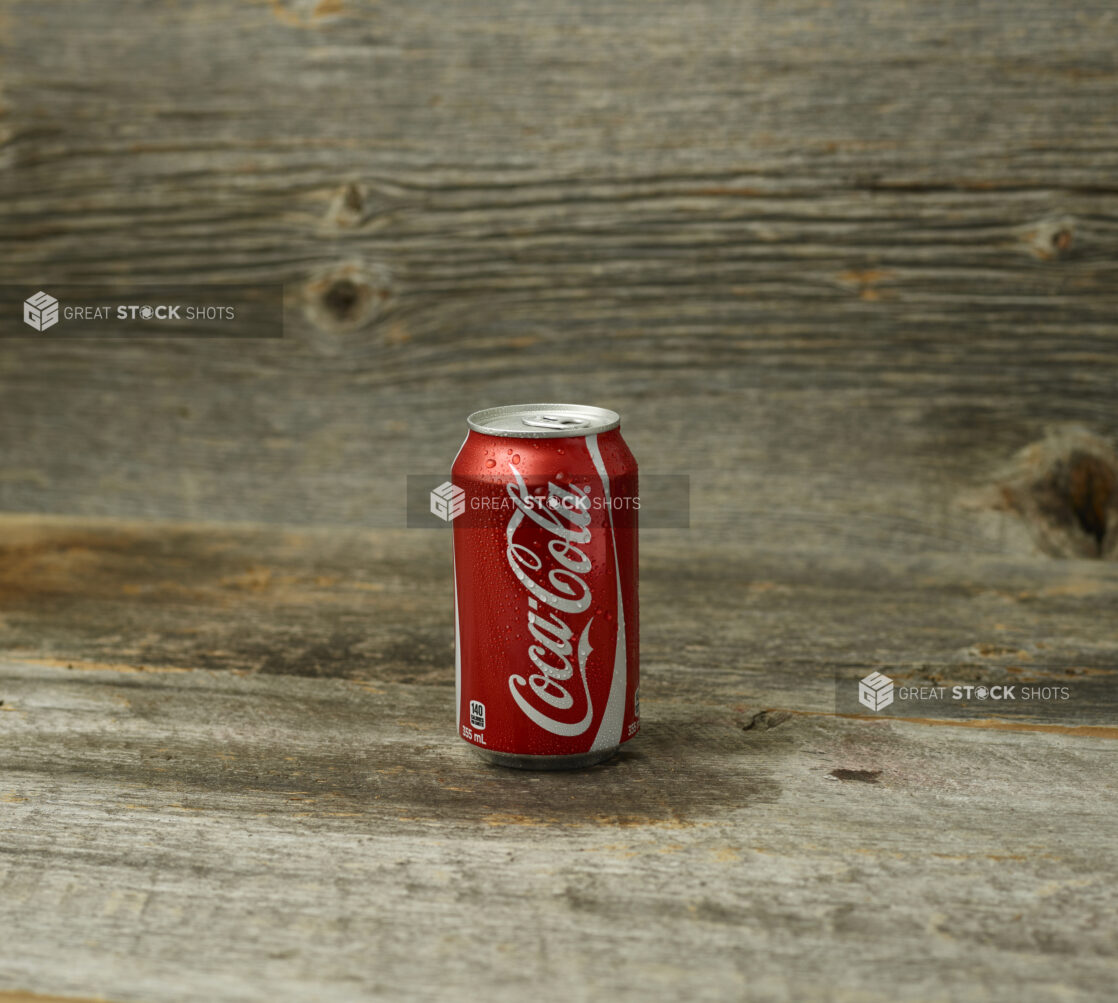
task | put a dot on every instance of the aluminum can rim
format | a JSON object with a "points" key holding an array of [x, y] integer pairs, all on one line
{"points": [[543, 421]]}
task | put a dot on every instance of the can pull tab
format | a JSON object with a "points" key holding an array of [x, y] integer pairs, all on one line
{"points": [[551, 419]]}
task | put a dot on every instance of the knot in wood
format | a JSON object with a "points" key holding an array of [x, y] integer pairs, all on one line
{"points": [[349, 207], [348, 297], [1051, 238], [1065, 488]]}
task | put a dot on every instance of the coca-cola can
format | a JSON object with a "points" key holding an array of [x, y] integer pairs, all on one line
{"points": [[545, 586]]}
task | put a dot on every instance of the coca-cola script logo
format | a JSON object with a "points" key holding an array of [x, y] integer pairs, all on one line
{"points": [[558, 596]]}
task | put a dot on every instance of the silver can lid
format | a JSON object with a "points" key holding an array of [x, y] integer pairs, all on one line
{"points": [[543, 421]]}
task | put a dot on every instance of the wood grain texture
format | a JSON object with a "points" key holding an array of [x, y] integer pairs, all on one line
{"points": [[207, 835], [746, 622], [18, 996], [839, 264], [850, 267], [228, 771]]}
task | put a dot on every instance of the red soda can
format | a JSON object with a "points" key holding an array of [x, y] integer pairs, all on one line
{"points": [[545, 586]]}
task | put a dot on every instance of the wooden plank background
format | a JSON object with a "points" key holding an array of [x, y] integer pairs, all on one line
{"points": [[838, 263], [850, 267]]}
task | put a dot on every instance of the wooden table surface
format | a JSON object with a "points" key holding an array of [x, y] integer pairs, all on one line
{"points": [[851, 268], [230, 772]]}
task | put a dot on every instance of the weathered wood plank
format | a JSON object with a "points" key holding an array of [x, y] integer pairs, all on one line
{"points": [[201, 834], [18, 996], [840, 267], [746, 621], [228, 770]]}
